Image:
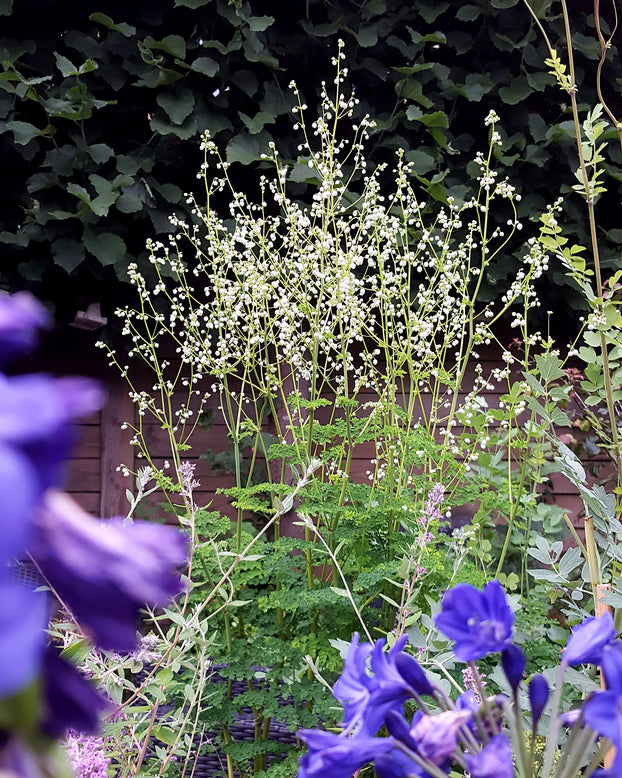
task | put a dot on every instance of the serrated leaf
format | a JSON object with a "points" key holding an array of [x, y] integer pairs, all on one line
{"points": [[206, 65], [100, 152], [129, 203], [104, 246]]}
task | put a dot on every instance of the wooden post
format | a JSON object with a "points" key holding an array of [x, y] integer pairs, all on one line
{"points": [[116, 449]]}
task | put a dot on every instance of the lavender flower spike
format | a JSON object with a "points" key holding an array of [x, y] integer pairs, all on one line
{"points": [[105, 571], [479, 622]]}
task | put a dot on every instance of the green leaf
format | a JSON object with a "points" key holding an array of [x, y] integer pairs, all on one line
{"points": [[129, 203], [205, 65], [257, 122], [174, 45], [242, 148], [68, 253], [125, 29], [105, 246], [6, 7], [367, 36], [178, 106], [66, 66], [503, 3], [260, 23], [100, 152], [516, 91], [468, 13], [23, 132], [194, 4], [423, 161], [434, 119]]}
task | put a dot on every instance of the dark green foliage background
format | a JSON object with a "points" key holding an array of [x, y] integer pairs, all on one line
{"points": [[101, 105]]}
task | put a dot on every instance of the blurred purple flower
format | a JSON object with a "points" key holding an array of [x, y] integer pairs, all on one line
{"points": [[24, 616], [338, 756], [21, 316], [603, 713], [70, 702], [493, 761], [105, 571], [585, 644], [367, 697], [36, 432], [538, 696], [480, 623]]}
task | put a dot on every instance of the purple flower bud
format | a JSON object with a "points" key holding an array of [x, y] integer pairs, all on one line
{"points": [[338, 756], [585, 644], [513, 663], [493, 761], [480, 623], [105, 571], [538, 696], [412, 672]]}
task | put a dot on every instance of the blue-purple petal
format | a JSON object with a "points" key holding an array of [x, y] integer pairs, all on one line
{"points": [[24, 615]]}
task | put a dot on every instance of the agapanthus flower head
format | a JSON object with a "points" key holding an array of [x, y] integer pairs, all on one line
{"points": [[21, 317], [106, 571], [538, 696], [480, 623], [493, 761], [585, 644]]}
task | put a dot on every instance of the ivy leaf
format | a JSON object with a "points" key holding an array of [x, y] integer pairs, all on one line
{"points": [[129, 203], [68, 253], [125, 29], [434, 119], [242, 148], [105, 246], [367, 36], [178, 106], [205, 65]]}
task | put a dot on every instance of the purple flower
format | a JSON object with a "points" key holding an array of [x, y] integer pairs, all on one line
{"points": [[70, 702], [24, 616], [338, 756], [513, 663], [105, 571], [603, 713], [538, 696], [493, 761], [585, 644], [480, 623], [87, 755], [368, 697], [412, 672], [36, 432], [437, 736], [21, 316]]}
